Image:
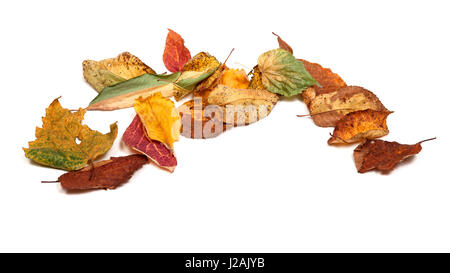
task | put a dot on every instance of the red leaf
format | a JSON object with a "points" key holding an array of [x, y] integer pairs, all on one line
{"points": [[106, 174], [175, 53], [135, 137]]}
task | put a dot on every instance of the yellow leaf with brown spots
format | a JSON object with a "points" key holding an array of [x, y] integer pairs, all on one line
{"points": [[242, 106], [360, 125], [327, 108], [100, 74], [201, 62]]}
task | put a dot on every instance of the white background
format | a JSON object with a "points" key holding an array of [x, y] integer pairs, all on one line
{"points": [[274, 186]]}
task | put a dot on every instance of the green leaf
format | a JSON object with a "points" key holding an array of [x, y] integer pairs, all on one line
{"points": [[123, 95], [189, 80], [283, 74]]}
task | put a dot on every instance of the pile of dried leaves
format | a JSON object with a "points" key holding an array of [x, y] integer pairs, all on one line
{"points": [[222, 98]]}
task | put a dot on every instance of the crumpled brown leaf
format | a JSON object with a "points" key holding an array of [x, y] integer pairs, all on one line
{"points": [[106, 174], [360, 125], [383, 155], [326, 108]]}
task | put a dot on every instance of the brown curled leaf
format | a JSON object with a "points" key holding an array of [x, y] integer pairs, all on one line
{"points": [[383, 155], [328, 80], [175, 53], [360, 125], [156, 151], [283, 45], [106, 174], [329, 107]]}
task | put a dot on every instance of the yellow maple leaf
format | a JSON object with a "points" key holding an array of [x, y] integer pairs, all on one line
{"points": [[56, 142], [160, 118]]}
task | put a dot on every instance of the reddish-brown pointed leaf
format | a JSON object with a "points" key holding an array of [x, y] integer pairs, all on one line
{"points": [[283, 45], [106, 174], [175, 53], [328, 80], [383, 155], [135, 137]]}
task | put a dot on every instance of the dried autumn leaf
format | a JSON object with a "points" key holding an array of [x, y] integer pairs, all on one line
{"points": [[56, 142], [100, 74], [135, 137], [106, 174], [196, 122], [256, 80], [234, 78], [283, 45], [204, 88], [124, 94], [242, 106], [160, 118], [203, 65], [327, 108], [201, 62], [188, 82], [328, 81], [175, 53], [360, 125], [282, 74], [383, 155]]}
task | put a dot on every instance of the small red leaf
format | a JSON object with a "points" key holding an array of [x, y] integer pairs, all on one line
{"points": [[175, 53], [135, 137]]}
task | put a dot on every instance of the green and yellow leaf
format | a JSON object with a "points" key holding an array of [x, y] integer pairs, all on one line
{"points": [[283, 74], [56, 142]]}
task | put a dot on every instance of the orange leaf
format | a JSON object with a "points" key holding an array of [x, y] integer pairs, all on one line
{"points": [[360, 125], [235, 78], [175, 53]]}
